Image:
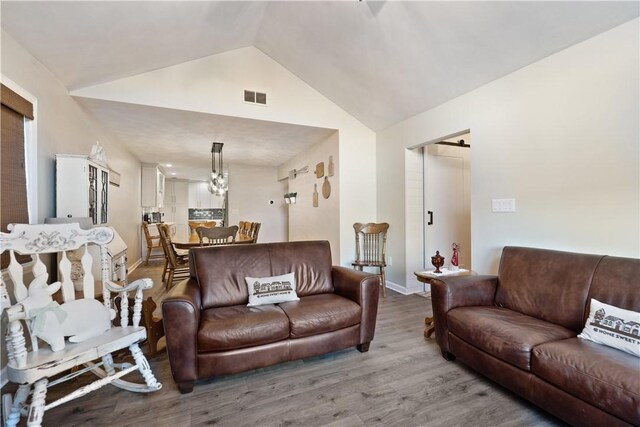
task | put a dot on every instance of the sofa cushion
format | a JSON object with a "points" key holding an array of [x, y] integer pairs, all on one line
{"points": [[228, 328], [221, 270], [505, 334], [538, 281], [616, 282], [310, 261], [605, 377], [317, 314]]}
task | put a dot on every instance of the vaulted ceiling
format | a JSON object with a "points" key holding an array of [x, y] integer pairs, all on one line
{"points": [[382, 62]]}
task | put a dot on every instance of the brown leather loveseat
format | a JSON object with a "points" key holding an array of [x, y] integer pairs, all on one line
{"points": [[520, 329], [211, 331]]}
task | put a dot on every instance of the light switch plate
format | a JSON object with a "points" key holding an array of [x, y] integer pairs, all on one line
{"points": [[503, 205]]}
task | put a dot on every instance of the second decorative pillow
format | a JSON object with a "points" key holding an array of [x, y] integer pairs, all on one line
{"points": [[271, 290]]}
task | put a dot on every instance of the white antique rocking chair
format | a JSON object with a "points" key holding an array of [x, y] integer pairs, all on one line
{"points": [[92, 336]]}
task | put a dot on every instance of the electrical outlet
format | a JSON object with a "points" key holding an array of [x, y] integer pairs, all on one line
{"points": [[503, 205], [389, 261]]}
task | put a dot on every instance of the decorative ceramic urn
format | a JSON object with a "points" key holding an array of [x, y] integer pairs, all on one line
{"points": [[438, 261]]}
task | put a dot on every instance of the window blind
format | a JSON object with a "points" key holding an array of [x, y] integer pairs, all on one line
{"points": [[13, 178]]}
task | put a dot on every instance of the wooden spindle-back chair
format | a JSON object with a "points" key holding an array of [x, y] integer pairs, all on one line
{"points": [[87, 322], [217, 235], [255, 229], [153, 242], [371, 242], [176, 263], [193, 225], [248, 231], [243, 228]]}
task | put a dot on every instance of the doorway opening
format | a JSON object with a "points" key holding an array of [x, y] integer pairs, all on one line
{"points": [[447, 200]]}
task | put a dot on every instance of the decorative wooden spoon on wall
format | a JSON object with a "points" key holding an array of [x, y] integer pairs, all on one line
{"points": [[315, 195], [326, 188]]}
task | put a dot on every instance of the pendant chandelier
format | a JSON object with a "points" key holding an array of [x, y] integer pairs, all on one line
{"points": [[219, 180]]}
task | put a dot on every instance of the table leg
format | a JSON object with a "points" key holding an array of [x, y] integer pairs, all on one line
{"points": [[430, 326]]}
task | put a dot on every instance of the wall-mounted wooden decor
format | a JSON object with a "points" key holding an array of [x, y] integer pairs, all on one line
{"points": [[315, 195], [330, 167], [326, 188], [320, 170]]}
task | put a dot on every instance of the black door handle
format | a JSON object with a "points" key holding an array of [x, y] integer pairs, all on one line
{"points": [[430, 213]]}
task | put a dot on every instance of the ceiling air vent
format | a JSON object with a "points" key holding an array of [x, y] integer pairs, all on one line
{"points": [[253, 97]]}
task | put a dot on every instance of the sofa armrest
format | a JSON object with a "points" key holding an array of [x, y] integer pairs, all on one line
{"points": [[364, 289], [181, 316], [448, 293]]}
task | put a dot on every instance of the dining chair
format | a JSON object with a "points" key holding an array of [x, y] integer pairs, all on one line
{"points": [[243, 228], [255, 229], [217, 235], [193, 225], [371, 241], [153, 242], [176, 266], [248, 231]]}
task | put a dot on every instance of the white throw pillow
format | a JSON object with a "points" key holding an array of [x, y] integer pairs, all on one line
{"points": [[613, 327], [271, 290]]}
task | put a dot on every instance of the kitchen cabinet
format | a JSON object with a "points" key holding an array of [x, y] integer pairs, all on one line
{"points": [[152, 186], [199, 196], [82, 188], [176, 204], [176, 192]]}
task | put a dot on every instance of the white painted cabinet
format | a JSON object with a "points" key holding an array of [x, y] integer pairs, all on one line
{"points": [[82, 188], [176, 192], [176, 207], [152, 186], [199, 196]]}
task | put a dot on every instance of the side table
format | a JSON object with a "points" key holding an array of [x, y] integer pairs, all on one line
{"points": [[427, 277]]}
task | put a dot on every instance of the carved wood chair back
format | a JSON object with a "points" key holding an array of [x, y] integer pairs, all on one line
{"points": [[193, 225], [248, 230], [177, 264], [244, 227], [153, 242], [255, 229], [86, 321], [371, 243], [217, 235]]}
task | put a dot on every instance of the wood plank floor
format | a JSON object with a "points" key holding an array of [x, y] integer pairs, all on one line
{"points": [[401, 381]]}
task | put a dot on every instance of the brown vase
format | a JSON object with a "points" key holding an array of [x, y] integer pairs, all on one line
{"points": [[438, 261]]}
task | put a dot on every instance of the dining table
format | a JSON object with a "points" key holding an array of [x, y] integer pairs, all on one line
{"points": [[193, 241]]}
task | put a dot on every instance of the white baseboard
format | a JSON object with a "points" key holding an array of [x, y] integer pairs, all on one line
{"points": [[395, 287], [135, 265], [402, 290]]}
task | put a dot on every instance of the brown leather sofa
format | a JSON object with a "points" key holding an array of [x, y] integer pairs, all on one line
{"points": [[519, 328], [210, 331]]}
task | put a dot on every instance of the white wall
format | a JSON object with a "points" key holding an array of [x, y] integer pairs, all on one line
{"points": [[214, 85], [316, 223], [64, 127], [250, 190], [561, 136]]}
